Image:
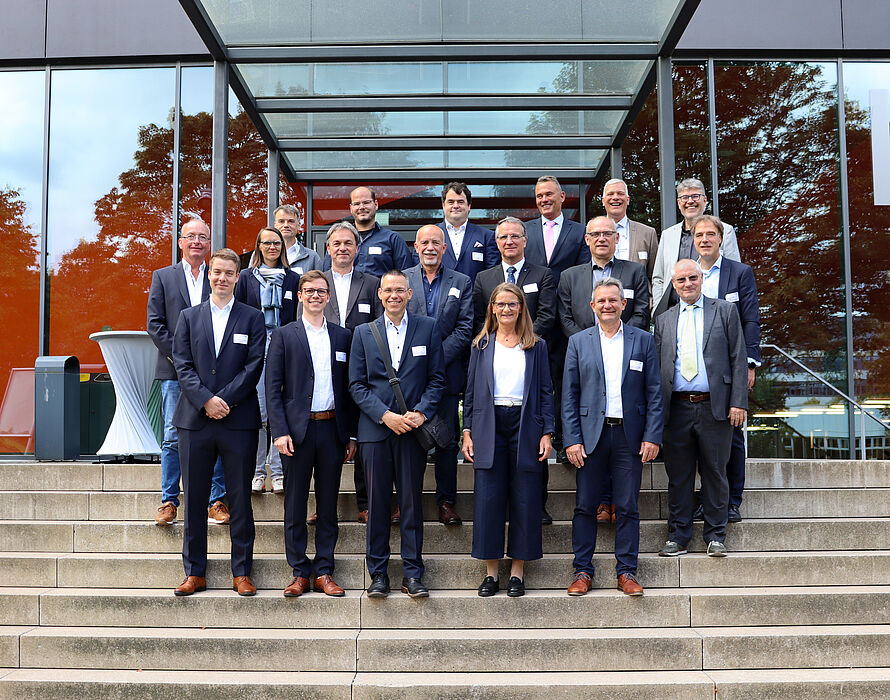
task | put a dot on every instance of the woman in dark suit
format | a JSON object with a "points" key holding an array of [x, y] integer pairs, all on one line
{"points": [[270, 286], [508, 419]]}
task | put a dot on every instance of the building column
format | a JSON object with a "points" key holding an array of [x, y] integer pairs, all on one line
{"points": [[220, 162]]}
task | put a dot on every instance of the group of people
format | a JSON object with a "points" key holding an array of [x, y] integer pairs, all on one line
{"points": [[284, 359]]}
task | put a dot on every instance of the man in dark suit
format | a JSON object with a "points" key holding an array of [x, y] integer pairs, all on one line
{"points": [[218, 352], [553, 240], [637, 242], [312, 419], [576, 283], [470, 249], [536, 281], [353, 301], [446, 296], [733, 281], [389, 450], [173, 289], [612, 417], [704, 380]]}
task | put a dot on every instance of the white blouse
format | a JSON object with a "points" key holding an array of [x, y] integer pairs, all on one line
{"points": [[509, 372]]}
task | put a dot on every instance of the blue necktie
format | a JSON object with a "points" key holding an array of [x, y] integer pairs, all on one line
{"points": [[511, 274]]}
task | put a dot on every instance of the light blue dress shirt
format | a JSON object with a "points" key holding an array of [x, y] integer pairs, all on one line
{"points": [[700, 381]]}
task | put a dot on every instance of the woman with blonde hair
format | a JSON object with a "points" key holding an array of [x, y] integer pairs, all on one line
{"points": [[508, 420]]}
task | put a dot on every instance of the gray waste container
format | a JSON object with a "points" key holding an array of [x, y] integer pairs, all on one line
{"points": [[56, 408]]}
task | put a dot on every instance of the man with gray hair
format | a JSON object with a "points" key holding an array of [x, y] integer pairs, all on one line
{"points": [[288, 221], [636, 242], [676, 241]]}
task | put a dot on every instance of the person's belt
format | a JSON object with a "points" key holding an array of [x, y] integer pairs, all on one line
{"points": [[322, 415], [613, 421], [507, 402], [692, 396]]}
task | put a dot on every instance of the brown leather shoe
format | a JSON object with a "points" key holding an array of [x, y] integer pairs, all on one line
{"points": [[447, 516], [602, 513], [581, 584], [297, 587], [612, 513], [218, 514], [166, 514], [192, 584], [396, 517], [312, 519], [243, 585], [363, 516], [326, 584], [628, 584]]}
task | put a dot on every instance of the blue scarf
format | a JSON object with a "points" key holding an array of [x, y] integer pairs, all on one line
{"points": [[271, 279]]}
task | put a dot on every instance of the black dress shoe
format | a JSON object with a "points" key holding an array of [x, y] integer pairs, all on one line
{"points": [[546, 518], [733, 515], [414, 587], [379, 587], [699, 513], [488, 587], [515, 587]]}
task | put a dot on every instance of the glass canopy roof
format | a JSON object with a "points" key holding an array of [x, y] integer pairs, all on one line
{"points": [[426, 86]]}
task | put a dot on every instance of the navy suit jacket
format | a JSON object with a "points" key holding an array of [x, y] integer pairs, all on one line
{"points": [[167, 297], [233, 375], [738, 286], [536, 283], [537, 406], [421, 375], [290, 380], [576, 288], [584, 390], [247, 291], [571, 248], [454, 319], [380, 251], [479, 251], [363, 304]]}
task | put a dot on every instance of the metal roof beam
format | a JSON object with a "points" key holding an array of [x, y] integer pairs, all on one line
{"points": [[442, 175], [446, 143], [440, 103]]}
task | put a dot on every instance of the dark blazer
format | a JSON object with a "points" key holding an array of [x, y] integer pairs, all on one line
{"points": [[232, 376], [247, 291], [576, 287], [454, 319], [723, 347], [362, 296], [478, 252], [584, 390], [537, 406], [379, 251], [737, 285], [167, 297], [537, 284], [290, 379], [421, 375], [571, 248]]}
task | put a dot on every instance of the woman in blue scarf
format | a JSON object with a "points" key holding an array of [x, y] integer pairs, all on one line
{"points": [[270, 286]]}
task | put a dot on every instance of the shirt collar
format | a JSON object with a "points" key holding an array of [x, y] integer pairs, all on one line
{"points": [[558, 220], [700, 302], [188, 268], [402, 325], [214, 309], [345, 275], [604, 338], [312, 329], [594, 265], [365, 235], [716, 264], [517, 265], [624, 223], [459, 229]]}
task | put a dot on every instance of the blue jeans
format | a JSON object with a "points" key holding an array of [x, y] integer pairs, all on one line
{"points": [[170, 469]]}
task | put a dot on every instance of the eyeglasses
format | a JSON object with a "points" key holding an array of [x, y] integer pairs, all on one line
{"points": [[510, 237], [310, 292], [363, 203], [501, 305], [192, 238], [397, 290], [599, 234], [690, 197], [270, 244]]}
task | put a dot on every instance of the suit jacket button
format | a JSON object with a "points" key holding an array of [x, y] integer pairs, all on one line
{"points": [[603, 412], [213, 371]]}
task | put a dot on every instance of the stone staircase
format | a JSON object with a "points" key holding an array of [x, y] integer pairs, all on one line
{"points": [[800, 608]]}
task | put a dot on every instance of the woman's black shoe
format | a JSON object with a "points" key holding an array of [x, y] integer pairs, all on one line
{"points": [[488, 587]]}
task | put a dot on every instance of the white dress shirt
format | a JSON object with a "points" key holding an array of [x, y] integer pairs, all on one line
{"points": [[622, 248], [320, 351], [509, 372], [220, 318], [194, 286], [711, 279], [342, 283], [517, 265], [613, 366], [395, 336], [456, 237]]}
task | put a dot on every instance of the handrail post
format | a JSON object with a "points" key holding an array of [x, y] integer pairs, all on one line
{"points": [[862, 432]]}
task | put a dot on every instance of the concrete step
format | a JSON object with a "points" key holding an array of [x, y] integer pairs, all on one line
{"points": [[793, 684], [754, 535]]}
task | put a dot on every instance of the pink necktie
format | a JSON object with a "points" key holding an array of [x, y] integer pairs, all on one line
{"points": [[549, 239]]}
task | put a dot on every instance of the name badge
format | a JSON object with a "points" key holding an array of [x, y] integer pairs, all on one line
{"points": [[636, 365], [732, 296], [418, 350], [478, 257], [288, 294], [454, 292], [530, 288], [644, 254], [364, 308], [340, 356], [299, 270], [628, 293], [375, 250], [240, 338]]}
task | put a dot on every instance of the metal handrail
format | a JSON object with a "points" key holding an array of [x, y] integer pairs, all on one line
{"points": [[863, 411]]}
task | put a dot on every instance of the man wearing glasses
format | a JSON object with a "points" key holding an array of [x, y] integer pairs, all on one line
{"points": [[676, 241], [173, 289]]}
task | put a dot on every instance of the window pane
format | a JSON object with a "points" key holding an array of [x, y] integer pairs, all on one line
{"points": [[373, 160]]}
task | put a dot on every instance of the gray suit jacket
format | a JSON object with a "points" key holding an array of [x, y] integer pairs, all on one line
{"points": [[363, 304], [576, 287], [643, 246], [723, 348]]}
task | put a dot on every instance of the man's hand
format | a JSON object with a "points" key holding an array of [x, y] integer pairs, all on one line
{"points": [[284, 445], [416, 418], [350, 450], [576, 454], [216, 408], [545, 448], [398, 423], [750, 377], [737, 415], [467, 448], [648, 451]]}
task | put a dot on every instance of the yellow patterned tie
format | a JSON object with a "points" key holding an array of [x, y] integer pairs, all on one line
{"points": [[688, 355]]}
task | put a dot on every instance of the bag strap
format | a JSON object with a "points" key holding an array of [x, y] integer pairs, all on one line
{"points": [[393, 379]]}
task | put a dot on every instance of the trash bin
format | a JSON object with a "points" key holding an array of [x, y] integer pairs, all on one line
{"points": [[56, 408]]}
